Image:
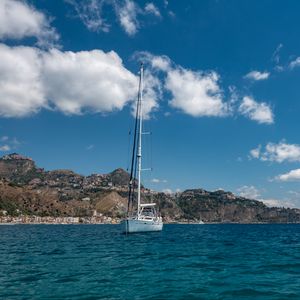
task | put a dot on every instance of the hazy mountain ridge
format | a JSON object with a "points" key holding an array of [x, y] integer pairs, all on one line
{"points": [[27, 189]]}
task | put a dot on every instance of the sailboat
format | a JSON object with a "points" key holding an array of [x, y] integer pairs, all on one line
{"points": [[141, 217]]}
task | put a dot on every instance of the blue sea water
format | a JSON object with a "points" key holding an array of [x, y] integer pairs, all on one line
{"points": [[182, 262]]}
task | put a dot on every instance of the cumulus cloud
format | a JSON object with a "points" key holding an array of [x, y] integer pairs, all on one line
{"points": [[255, 153], [249, 192], [260, 112], [157, 62], [198, 93], [293, 175], [257, 75], [150, 8], [19, 20], [151, 95], [5, 148], [21, 86], [87, 80], [279, 152], [295, 63], [94, 81], [195, 93], [277, 203], [71, 82]]}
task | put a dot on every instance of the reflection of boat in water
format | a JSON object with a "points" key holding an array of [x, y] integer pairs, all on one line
{"points": [[144, 217]]}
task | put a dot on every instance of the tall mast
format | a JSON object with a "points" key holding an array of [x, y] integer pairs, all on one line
{"points": [[139, 152]]}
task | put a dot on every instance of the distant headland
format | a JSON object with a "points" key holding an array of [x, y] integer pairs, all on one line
{"points": [[29, 194]]}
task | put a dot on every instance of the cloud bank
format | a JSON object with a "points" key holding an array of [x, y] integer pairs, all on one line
{"points": [[199, 94]]}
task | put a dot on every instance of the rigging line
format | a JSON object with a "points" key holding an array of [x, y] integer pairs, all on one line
{"points": [[151, 147], [133, 158], [128, 149], [136, 150]]}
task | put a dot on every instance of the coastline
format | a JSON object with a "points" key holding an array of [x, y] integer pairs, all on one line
{"points": [[34, 220]]}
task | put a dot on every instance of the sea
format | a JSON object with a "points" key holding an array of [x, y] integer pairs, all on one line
{"points": [[210, 261]]}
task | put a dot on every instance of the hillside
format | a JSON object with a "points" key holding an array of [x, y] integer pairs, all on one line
{"points": [[29, 190]]}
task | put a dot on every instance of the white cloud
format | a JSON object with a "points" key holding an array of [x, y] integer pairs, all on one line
{"points": [[5, 148], [295, 63], [72, 82], [90, 13], [19, 20], [127, 15], [249, 192], [157, 62], [171, 14], [293, 175], [152, 9], [156, 180], [92, 81], [260, 112], [277, 203], [277, 152], [128, 12], [257, 75], [195, 93], [198, 93], [10, 143], [255, 153], [21, 87], [152, 93], [275, 55]]}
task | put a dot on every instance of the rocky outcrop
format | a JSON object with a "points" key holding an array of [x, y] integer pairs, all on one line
{"points": [[19, 169], [27, 189]]}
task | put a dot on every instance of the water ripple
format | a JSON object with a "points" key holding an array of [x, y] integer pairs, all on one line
{"points": [[182, 262]]}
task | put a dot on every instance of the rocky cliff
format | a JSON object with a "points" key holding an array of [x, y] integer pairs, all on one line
{"points": [[27, 189]]}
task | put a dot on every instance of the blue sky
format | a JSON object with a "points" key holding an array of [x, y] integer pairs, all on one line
{"points": [[221, 90]]}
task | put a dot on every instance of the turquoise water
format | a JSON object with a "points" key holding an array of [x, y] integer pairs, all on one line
{"points": [[182, 262]]}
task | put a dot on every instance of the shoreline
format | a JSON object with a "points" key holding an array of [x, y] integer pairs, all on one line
{"points": [[166, 223], [103, 220]]}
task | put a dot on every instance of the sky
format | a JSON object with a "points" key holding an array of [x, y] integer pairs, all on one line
{"points": [[221, 95]]}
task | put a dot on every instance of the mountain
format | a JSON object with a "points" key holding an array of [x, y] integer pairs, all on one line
{"points": [[19, 168], [27, 189]]}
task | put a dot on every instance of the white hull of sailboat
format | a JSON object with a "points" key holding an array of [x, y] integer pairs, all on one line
{"points": [[139, 225]]}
